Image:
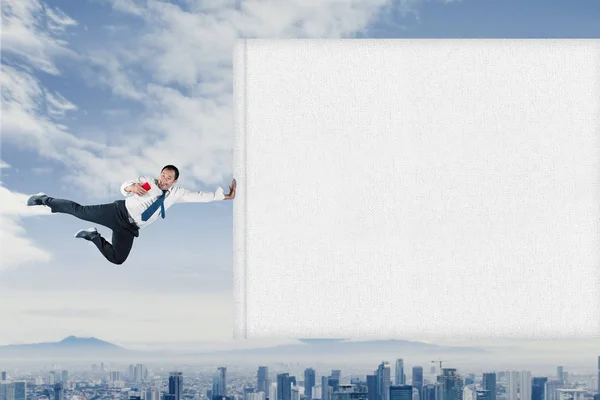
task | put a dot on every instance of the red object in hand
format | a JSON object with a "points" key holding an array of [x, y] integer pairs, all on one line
{"points": [[146, 186]]}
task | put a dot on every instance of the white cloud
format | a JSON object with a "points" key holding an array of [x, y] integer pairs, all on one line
{"points": [[3, 165], [17, 249], [30, 29]]}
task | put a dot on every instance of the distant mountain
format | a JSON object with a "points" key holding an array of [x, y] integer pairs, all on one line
{"points": [[69, 347], [91, 348], [342, 346]]}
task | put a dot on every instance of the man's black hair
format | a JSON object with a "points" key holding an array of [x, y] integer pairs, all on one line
{"points": [[171, 168]]}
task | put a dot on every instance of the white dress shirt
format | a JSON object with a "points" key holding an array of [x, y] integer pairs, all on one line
{"points": [[136, 205]]}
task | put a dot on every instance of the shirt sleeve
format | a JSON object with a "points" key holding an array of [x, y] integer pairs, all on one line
{"points": [[141, 179], [189, 196]]}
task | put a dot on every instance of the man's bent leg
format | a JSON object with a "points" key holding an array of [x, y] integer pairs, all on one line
{"points": [[103, 214], [118, 251]]}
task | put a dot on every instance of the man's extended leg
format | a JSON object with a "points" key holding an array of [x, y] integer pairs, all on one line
{"points": [[118, 251], [103, 214]]}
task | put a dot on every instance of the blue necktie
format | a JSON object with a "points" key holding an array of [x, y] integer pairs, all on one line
{"points": [[154, 206]]}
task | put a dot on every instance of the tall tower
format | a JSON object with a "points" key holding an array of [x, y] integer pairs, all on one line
{"points": [[525, 385], [371, 387], [489, 383], [452, 384], [309, 382], [262, 380], [176, 385], [598, 374], [284, 387], [400, 372], [384, 381], [417, 380], [538, 387], [513, 382]]}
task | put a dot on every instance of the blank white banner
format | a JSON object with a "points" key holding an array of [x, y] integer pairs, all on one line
{"points": [[417, 188]]}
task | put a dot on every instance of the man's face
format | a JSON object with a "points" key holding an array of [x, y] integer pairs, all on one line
{"points": [[166, 179]]}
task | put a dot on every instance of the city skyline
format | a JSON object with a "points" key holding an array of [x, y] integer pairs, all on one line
{"points": [[286, 382]]}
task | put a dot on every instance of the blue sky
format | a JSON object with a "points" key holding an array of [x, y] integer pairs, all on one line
{"points": [[101, 91]]}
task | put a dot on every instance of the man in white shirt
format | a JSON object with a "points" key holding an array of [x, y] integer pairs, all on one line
{"points": [[146, 200]]}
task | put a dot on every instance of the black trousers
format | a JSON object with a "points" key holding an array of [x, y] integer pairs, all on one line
{"points": [[111, 215]]}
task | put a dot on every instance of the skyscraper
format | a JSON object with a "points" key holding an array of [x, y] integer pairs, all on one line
{"points": [[309, 382], [384, 381], [324, 388], [550, 390], [559, 373], [3, 375], [489, 383], [20, 390], [262, 380], [401, 392], [59, 393], [452, 384], [598, 374], [428, 392], [538, 388], [417, 380], [512, 385], [222, 378], [525, 385], [372, 387], [176, 385], [284, 387], [399, 372]]}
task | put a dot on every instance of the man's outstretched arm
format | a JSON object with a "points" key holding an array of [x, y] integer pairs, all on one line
{"points": [[189, 196]]}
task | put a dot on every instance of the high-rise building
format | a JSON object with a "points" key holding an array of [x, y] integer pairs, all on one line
{"points": [[20, 390], [400, 372], [138, 373], [559, 373], [401, 392], [384, 381], [284, 387], [309, 382], [176, 385], [428, 392], [325, 388], [3, 374], [59, 393], [372, 387], [512, 380], [489, 383], [550, 390], [452, 384], [349, 392], [417, 380], [64, 376], [537, 388], [221, 389], [336, 374], [262, 380], [525, 385], [599, 375]]}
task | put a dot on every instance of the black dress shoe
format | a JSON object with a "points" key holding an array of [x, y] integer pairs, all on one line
{"points": [[37, 200], [87, 234]]}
